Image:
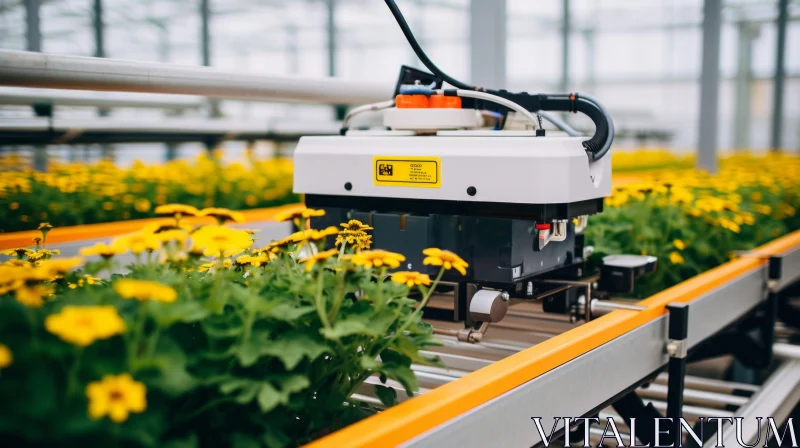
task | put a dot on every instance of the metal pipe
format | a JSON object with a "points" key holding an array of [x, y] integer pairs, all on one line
{"points": [[33, 32], [330, 29], [706, 398], [28, 69], [465, 363], [27, 97], [710, 385], [786, 351], [487, 44], [602, 305], [709, 86], [565, 33], [99, 29], [780, 74], [205, 32], [777, 397]]}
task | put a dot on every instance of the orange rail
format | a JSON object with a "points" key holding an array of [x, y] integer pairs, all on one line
{"points": [[111, 229], [423, 413]]}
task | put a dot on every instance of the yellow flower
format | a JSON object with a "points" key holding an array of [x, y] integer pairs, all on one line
{"points": [[321, 256], [137, 243], [91, 280], [360, 239], [762, 209], [411, 278], [217, 240], [103, 250], [377, 258], [16, 252], [17, 263], [42, 254], [312, 235], [33, 295], [726, 223], [45, 226], [59, 266], [172, 235], [255, 260], [785, 210], [680, 245], [176, 209], [756, 196], [746, 218], [446, 259], [206, 266], [297, 214], [145, 290], [222, 214], [116, 397], [142, 205], [675, 258], [355, 225], [82, 325], [6, 358]]}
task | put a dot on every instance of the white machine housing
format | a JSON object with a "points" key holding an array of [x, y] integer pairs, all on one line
{"points": [[502, 169]]}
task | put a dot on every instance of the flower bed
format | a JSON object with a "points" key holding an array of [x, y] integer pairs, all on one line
{"points": [[693, 221], [207, 338], [73, 194]]}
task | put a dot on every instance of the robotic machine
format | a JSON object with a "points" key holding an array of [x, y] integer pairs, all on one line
{"points": [[471, 170]]}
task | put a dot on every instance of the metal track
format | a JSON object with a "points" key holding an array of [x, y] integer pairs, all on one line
{"points": [[586, 368]]}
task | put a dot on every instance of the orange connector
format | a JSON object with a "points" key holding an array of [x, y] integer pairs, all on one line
{"points": [[445, 102], [411, 102]]}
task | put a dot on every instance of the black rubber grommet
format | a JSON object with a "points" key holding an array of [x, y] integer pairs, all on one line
{"points": [[472, 191], [348, 186]]}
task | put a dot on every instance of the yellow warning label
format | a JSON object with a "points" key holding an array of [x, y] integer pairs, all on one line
{"points": [[399, 171]]}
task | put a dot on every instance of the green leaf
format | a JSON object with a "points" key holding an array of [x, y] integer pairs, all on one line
{"points": [[387, 395], [249, 352], [275, 438], [410, 349], [187, 312], [248, 393], [404, 375], [187, 442], [368, 363], [231, 385], [239, 440], [370, 325], [390, 356], [288, 312], [290, 384], [167, 368], [292, 347], [269, 397]]}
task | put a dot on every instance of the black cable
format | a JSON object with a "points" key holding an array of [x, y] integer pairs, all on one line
{"points": [[401, 21], [596, 146]]}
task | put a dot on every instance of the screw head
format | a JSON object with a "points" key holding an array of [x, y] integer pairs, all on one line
{"points": [[472, 191], [348, 186]]}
